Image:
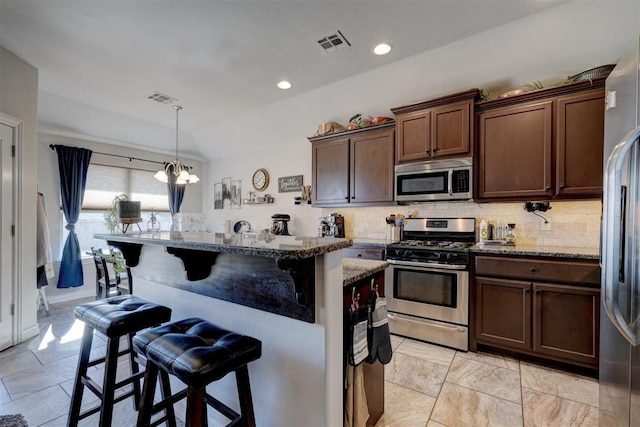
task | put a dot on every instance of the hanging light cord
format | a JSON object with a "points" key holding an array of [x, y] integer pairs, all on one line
{"points": [[177, 108]]}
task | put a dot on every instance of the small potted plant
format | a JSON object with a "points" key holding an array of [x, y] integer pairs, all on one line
{"points": [[111, 216]]}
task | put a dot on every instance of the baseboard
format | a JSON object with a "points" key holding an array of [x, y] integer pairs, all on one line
{"points": [[29, 333], [85, 293]]}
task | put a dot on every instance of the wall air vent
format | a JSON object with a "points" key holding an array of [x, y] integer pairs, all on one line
{"points": [[333, 42], [161, 98]]}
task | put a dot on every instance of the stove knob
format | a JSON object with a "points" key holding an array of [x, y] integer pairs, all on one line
{"points": [[407, 253]]}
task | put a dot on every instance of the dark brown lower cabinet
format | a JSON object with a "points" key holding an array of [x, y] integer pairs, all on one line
{"points": [[557, 321], [566, 322], [503, 314]]}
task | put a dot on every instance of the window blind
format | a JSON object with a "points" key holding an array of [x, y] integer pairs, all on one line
{"points": [[106, 182]]}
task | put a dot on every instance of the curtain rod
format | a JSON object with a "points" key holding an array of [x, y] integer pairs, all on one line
{"points": [[52, 146]]}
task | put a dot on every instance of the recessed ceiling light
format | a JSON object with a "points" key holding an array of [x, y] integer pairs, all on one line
{"points": [[382, 48], [284, 84]]}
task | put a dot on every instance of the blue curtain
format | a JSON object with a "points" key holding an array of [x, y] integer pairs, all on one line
{"points": [[73, 164], [176, 192]]}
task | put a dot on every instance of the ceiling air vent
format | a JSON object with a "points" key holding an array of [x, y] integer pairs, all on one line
{"points": [[161, 98], [333, 42]]}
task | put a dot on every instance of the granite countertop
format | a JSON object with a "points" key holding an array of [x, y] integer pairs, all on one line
{"points": [[354, 269], [253, 244], [538, 250], [373, 243]]}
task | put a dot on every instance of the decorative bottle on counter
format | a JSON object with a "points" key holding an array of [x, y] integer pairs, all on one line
{"points": [[483, 231], [153, 225]]}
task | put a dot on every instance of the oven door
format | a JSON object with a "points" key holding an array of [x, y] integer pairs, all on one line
{"points": [[438, 292]]}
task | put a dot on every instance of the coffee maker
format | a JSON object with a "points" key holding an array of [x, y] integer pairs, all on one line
{"points": [[334, 225], [279, 225]]}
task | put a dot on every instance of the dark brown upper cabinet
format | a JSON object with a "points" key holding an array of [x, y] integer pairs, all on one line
{"points": [[353, 168], [441, 127], [545, 144]]}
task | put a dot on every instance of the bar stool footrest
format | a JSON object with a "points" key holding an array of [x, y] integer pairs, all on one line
{"points": [[223, 409]]}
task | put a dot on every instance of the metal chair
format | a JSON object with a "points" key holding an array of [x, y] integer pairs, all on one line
{"points": [[104, 281]]}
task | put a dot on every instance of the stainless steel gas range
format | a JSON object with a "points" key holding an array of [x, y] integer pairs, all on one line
{"points": [[429, 280]]}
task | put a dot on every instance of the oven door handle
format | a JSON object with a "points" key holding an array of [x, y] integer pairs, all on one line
{"points": [[426, 265], [394, 316]]}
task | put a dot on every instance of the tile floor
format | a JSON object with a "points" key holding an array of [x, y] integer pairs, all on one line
{"points": [[426, 385]]}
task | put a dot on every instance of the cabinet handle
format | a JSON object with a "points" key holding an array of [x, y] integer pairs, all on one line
{"points": [[547, 188], [435, 149], [561, 186], [428, 151], [532, 269]]}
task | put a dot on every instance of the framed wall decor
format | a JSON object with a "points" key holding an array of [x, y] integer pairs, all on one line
{"points": [[236, 194], [289, 184], [218, 202]]}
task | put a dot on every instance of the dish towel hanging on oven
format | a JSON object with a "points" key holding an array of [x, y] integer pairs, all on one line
{"points": [[378, 335], [359, 324]]}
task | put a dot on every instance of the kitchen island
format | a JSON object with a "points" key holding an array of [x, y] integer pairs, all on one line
{"points": [[284, 290]]}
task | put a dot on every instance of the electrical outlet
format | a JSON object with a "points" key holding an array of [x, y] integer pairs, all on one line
{"points": [[545, 226]]}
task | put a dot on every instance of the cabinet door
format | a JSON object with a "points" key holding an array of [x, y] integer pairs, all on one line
{"points": [[372, 167], [330, 172], [414, 136], [579, 144], [503, 312], [567, 322], [515, 152], [450, 132]]}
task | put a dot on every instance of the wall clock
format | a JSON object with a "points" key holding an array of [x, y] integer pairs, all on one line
{"points": [[260, 179]]}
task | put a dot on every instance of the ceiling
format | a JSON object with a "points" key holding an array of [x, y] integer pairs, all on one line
{"points": [[98, 60]]}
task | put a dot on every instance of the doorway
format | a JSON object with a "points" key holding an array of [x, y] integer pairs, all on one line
{"points": [[8, 136]]}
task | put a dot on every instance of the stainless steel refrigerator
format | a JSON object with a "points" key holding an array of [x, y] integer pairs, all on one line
{"points": [[619, 374]]}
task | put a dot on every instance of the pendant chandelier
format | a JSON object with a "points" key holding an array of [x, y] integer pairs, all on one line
{"points": [[176, 167]]}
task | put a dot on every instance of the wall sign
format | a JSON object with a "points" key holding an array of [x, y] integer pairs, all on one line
{"points": [[288, 184]]}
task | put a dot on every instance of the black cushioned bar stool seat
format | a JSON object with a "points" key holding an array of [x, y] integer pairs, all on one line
{"points": [[114, 317], [197, 353]]}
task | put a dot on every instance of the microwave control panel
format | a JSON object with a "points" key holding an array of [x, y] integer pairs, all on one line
{"points": [[460, 182]]}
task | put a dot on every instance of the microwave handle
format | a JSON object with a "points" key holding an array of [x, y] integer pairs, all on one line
{"points": [[451, 182]]}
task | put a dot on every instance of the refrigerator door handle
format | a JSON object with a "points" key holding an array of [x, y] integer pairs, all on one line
{"points": [[614, 216]]}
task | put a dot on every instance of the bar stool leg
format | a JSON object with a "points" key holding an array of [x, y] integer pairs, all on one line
{"points": [[134, 371], [244, 395], [166, 393], [109, 382], [196, 412], [81, 372], [148, 391]]}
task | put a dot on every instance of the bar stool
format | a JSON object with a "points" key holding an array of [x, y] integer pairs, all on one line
{"points": [[114, 317], [197, 353]]}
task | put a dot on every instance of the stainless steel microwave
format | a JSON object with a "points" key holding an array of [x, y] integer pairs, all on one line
{"points": [[434, 180]]}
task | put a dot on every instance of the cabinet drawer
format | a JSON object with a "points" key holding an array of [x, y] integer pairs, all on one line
{"points": [[535, 269], [364, 253]]}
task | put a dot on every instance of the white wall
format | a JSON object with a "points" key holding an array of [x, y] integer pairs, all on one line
{"points": [[19, 99], [285, 160], [49, 185]]}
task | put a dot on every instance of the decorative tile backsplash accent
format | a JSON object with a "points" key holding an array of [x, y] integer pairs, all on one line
{"points": [[573, 223]]}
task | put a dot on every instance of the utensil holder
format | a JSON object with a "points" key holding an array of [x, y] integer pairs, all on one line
{"points": [[394, 233]]}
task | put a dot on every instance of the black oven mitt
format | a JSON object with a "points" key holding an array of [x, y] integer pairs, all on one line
{"points": [[378, 332]]}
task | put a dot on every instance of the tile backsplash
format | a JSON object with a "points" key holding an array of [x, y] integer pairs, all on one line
{"points": [[572, 223]]}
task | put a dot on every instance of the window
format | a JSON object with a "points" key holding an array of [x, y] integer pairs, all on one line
{"points": [[106, 182]]}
